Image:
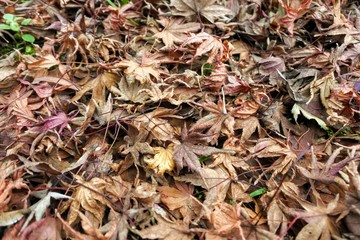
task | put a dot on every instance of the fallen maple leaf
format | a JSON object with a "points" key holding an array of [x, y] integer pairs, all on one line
{"points": [[216, 181], [131, 91], [294, 10], [320, 224], [209, 44], [175, 30], [352, 199], [217, 121], [181, 198], [162, 160], [157, 124], [145, 68], [205, 8], [226, 220], [42, 229], [188, 151], [167, 230], [84, 199], [98, 85]]}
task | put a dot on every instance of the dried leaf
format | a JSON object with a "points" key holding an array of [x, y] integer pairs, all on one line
{"points": [[97, 86], [187, 153], [181, 199], [218, 121], [163, 160], [167, 230], [175, 30], [297, 109], [205, 8]]}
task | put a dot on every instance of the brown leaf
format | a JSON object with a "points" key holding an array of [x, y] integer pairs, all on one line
{"points": [[249, 126], [208, 44], [181, 199], [46, 228], [276, 218], [175, 30], [226, 220], [45, 62], [187, 153], [83, 199], [217, 121], [271, 65], [293, 10], [205, 8], [98, 87], [157, 123], [320, 224], [167, 230], [216, 181], [131, 91], [145, 69], [353, 199]]}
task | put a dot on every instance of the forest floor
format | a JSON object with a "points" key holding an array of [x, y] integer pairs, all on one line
{"points": [[179, 119]]}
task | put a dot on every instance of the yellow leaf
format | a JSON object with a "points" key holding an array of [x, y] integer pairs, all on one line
{"points": [[163, 159]]}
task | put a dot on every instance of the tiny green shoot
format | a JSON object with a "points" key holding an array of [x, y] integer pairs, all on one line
{"points": [[207, 69], [258, 192], [204, 158]]}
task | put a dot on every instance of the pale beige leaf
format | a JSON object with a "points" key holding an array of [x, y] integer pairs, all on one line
{"points": [[162, 160]]}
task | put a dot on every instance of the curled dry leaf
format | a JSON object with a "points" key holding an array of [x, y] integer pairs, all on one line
{"points": [[163, 160], [187, 153], [205, 8], [167, 229], [180, 199], [175, 30], [97, 86]]}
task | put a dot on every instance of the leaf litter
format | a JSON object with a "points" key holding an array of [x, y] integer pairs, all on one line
{"points": [[180, 119]]}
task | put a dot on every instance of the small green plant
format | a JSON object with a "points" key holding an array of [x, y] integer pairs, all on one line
{"points": [[204, 158], [122, 2], [207, 69], [258, 192], [14, 24]]}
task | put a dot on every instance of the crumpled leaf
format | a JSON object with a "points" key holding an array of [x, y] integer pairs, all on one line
{"points": [[42, 229], [162, 160], [83, 199], [98, 86], [227, 221], [131, 91], [157, 123], [205, 8], [209, 44], [187, 153], [294, 10], [353, 199], [175, 30], [45, 62], [276, 218], [38, 209], [271, 65], [249, 126], [217, 121], [143, 68], [167, 230], [297, 109], [320, 224], [216, 181], [180, 198], [324, 85]]}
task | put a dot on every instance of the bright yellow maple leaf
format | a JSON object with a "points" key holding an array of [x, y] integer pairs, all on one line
{"points": [[162, 160]]}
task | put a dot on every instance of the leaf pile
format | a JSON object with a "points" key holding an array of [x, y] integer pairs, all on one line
{"points": [[181, 119]]}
